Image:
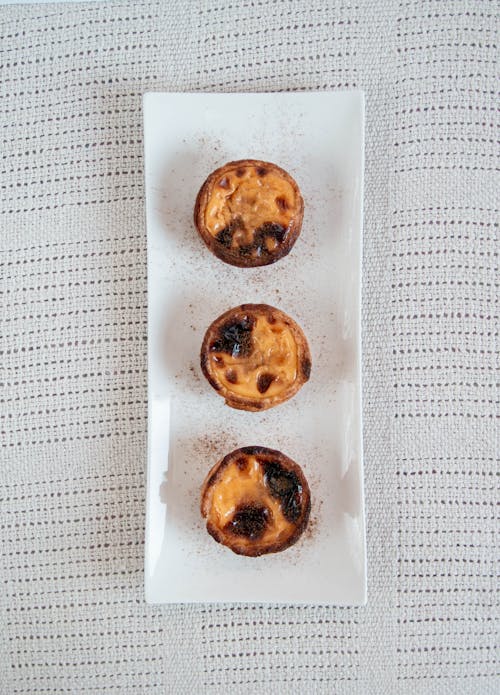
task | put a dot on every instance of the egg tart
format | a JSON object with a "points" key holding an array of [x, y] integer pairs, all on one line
{"points": [[255, 356], [249, 213], [256, 501]]}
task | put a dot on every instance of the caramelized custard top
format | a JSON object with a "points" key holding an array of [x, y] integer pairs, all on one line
{"points": [[250, 209], [255, 500], [255, 357]]}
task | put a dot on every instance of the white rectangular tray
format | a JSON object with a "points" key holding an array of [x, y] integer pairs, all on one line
{"points": [[318, 138]]}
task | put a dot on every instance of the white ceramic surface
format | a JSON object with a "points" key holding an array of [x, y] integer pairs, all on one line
{"points": [[318, 138]]}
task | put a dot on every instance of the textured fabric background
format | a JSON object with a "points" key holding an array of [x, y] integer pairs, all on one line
{"points": [[73, 347]]}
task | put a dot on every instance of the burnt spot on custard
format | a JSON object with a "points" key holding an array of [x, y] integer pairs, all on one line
{"points": [[264, 381], [242, 463], [306, 367], [284, 486], [225, 236], [261, 171], [282, 203], [224, 182], [235, 337], [272, 230], [249, 521], [231, 376], [258, 247]]}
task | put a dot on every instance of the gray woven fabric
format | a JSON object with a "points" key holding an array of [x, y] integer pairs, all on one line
{"points": [[73, 347]]}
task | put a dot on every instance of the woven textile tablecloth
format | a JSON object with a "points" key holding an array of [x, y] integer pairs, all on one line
{"points": [[73, 308]]}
